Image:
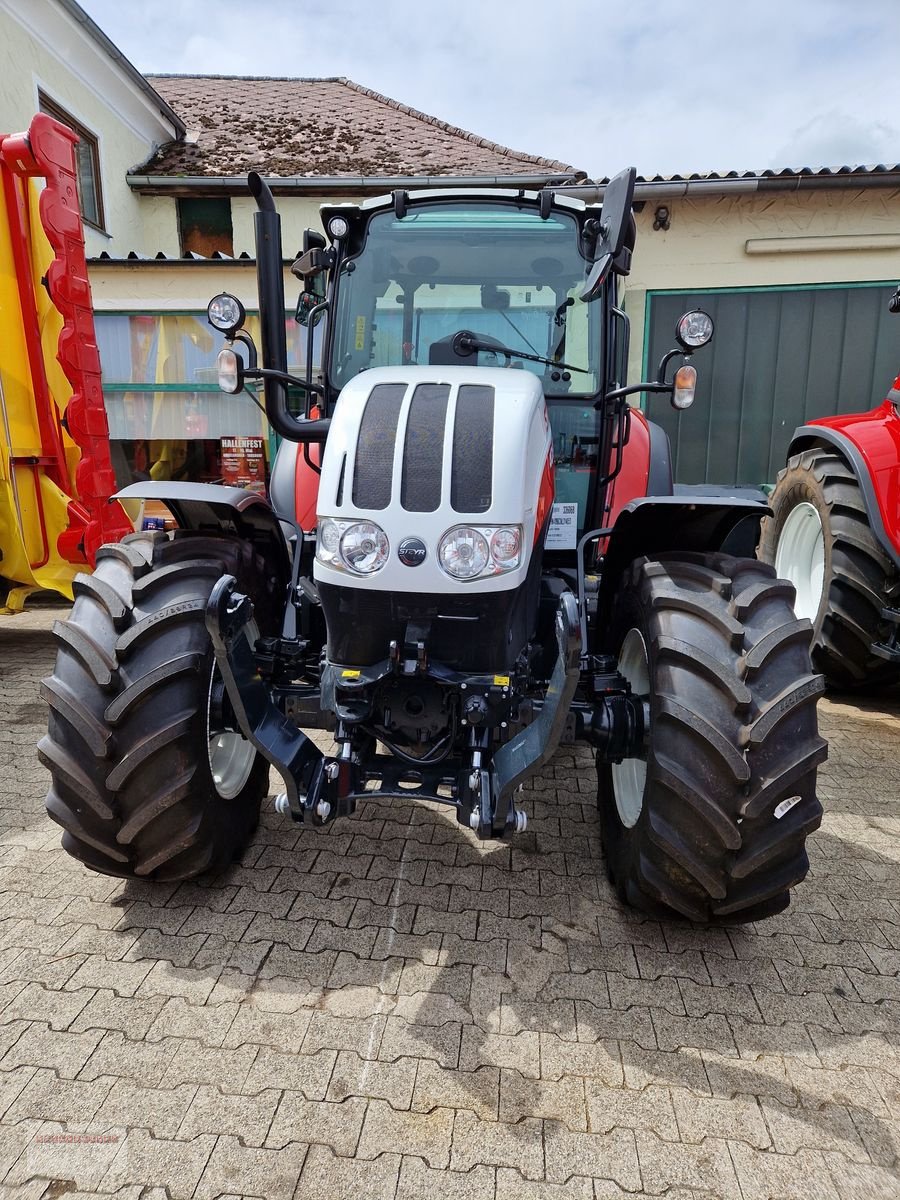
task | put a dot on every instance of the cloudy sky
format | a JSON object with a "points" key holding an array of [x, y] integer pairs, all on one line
{"points": [[601, 84]]}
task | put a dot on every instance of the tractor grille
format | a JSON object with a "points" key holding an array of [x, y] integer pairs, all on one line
{"points": [[423, 454], [425, 417]]}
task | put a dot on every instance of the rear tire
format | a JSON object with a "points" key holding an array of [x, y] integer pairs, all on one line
{"points": [[711, 825], [858, 579], [132, 706]]}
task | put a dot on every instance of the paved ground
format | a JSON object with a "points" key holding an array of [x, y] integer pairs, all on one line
{"points": [[387, 1010]]}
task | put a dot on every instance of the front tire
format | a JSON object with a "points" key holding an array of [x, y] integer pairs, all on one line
{"points": [[711, 822], [149, 778], [819, 538]]}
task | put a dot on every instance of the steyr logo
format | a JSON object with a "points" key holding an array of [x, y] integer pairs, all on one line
{"points": [[412, 552]]}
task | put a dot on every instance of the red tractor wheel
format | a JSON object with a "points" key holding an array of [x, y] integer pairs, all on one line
{"points": [[819, 538]]}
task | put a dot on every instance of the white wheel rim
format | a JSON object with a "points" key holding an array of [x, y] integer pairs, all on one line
{"points": [[231, 756], [629, 777], [800, 557]]}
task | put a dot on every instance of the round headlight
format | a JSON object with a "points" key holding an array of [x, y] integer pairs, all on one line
{"points": [[338, 227], [225, 313], [364, 548], [463, 552], [505, 546], [694, 329]]}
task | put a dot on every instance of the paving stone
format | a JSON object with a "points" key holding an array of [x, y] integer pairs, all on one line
{"points": [[520, 1051], [48, 1097], [253, 1024], [207, 1023], [478, 1090], [393, 1082], [418, 1181], [344, 1033], [612, 1108], [59, 1009], [598, 1155], [246, 1117], [38, 1046], [402, 1039], [131, 1015], [562, 1100], [494, 1144], [326, 1177], [193, 1062], [700, 1117], [826, 1127], [249, 1170], [762, 1174], [511, 1186], [153, 1162], [308, 1074], [707, 1167], [335, 1124], [426, 1135], [137, 1105]]}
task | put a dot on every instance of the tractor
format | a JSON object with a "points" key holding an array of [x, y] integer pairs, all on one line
{"points": [[835, 534], [473, 552]]}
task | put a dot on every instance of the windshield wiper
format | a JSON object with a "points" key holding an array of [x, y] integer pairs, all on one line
{"points": [[465, 343]]}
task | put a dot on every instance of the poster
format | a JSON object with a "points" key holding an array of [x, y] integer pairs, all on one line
{"points": [[244, 463], [563, 531]]}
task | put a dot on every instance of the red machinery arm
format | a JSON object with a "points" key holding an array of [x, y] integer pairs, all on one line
{"points": [[47, 151]]}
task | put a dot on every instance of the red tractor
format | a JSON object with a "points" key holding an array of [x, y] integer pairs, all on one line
{"points": [[835, 534], [473, 549]]}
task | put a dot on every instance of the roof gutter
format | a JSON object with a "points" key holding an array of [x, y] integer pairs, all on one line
{"points": [[77, 13], [286, 185], [317, 184]]}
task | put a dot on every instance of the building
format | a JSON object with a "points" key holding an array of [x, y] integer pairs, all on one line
{"points": [[794, 266]]}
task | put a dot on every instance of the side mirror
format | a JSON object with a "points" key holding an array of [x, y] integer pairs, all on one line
{"points": [[894, 302], [616, 224]]}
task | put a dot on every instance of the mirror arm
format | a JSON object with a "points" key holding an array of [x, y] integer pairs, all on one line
{"points": [[283, 377], [246, 340], [632, 390], [666, 359], [311, 319]]}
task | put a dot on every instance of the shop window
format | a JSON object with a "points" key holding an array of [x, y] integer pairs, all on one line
{"points": [[167, 417], [87, 162], [205, 226]]}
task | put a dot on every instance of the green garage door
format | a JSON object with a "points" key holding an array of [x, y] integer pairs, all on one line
{"points": [[780, 357]]}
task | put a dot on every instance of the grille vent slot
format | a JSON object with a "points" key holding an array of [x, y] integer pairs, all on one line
{"points": [[423, 452], [471, 478], [375, 446]]}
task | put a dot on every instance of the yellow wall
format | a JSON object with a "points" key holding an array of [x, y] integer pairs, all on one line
{"points": [[762, 239], [43, 48]]}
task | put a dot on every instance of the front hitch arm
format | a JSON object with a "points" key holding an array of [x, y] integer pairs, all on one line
{"points": [[535, 745], [279, 741]]}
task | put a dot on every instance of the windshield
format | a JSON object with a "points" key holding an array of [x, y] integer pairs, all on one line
{"points": [[504, 275]]}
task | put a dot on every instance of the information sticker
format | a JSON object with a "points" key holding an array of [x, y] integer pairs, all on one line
{"points": [[563, 531]]}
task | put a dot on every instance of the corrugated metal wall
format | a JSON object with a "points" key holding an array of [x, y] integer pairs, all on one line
{"points": [[779, 358]]}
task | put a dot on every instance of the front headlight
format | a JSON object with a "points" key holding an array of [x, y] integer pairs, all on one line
{"points": [[360, 547], [473, 551]]}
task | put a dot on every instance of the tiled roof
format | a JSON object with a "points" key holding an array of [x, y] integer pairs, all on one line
{"points": [[312, 127], [773, 173]]}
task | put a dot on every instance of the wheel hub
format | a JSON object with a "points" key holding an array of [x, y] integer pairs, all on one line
{"points": [[800, 558], [231, 756], [629, 776]]}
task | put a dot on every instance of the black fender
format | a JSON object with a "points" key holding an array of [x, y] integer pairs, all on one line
{"points": [[811, 437], [212, 508], [702, 521]]}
